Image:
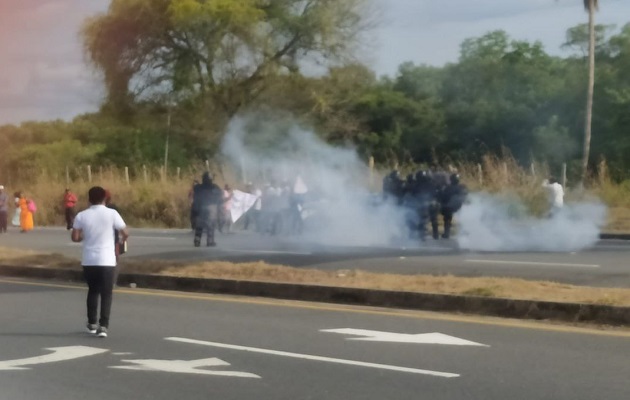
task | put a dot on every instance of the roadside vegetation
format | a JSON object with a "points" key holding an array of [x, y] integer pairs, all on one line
{"points": [[174, 76], [162, 201]]}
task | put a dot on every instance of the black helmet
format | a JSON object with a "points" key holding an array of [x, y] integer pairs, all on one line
{"points": [[206, 179], [454, 179]]}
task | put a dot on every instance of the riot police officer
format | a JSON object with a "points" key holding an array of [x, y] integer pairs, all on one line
{"points": [[393, 187], [451, 200], [207, 198], [425, 193]]}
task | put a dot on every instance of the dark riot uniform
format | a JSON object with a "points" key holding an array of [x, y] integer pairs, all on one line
{"points": [[425, 194], [410, 204], [451, 200], [393, 187], [439, 180], [207, 198]]}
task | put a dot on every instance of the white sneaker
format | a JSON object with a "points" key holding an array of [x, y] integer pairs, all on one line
{"points": [[91, 328], [101, 332]]}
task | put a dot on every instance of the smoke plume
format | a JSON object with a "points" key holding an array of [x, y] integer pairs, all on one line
{"points": [[492, 223], [339, 209]]}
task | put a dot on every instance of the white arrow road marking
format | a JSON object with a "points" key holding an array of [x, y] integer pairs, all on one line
{"points": [[185, 367], [59, 354], [420, 338], [315, 358]]}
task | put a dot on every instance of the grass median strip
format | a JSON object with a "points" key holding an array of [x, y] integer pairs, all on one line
{"points": [[262, 272]]}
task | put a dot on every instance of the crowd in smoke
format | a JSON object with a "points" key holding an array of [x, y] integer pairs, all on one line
{"points": [[337, 208]]}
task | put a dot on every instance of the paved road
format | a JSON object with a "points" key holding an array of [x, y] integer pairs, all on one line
{"points": [[242, 348], [604, 265]]}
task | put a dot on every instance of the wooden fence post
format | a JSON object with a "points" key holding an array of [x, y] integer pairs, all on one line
{"points": [[371, 172], [67, 176], [179, 170], [144, 172], [564, 175], [207, 165], [532, 169], [480, 174], [127, 175], [89, 172]]}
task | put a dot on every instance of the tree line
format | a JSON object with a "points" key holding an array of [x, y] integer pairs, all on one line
{"points": [[177, 71]]}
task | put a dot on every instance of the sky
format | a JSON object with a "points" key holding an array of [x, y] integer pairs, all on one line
{"points": [[44, 76]]}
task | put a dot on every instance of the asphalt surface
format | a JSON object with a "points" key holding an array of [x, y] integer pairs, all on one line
{"points": [[604, 265], [277, 350]]}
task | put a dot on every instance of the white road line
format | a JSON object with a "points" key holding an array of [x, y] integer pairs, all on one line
{"points": [[293, 253], [152, 237], [542, 264], [315, 358]]}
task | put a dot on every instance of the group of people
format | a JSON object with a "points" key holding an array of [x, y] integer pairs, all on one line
{"points": [[25, 208], [425, 195], [278, 207]]}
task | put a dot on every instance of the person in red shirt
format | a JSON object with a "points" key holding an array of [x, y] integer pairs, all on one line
{"points": [[69, 202]]}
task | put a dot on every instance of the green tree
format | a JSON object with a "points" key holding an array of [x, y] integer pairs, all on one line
{"points": [[222, 53]]}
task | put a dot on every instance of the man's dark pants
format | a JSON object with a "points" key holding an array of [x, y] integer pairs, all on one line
{"points": [[3, 221], [69, 217], [100, 282]]}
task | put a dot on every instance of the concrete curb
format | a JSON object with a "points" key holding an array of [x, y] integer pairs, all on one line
{"points": [[614, 236], [507, 308]]}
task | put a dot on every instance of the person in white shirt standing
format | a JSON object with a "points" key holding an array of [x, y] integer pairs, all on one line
{"points": [[556, 195], [95, 228]]}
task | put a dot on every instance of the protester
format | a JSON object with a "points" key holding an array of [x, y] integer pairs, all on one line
{"points": [[225, 213], [17, 215], [69, 202], [4, 210], [271, 219], [298, 197], [208, 197], [556, 195], [27, 208], [253, 215], [94, 227]]}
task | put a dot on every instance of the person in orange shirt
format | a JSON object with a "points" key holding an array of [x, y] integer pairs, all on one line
{"points": [[26, 215], [69, 201]]}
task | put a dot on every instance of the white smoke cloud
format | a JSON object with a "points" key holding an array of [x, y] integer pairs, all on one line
{"points": [[492, 223], [276, 149], [340, 206]]}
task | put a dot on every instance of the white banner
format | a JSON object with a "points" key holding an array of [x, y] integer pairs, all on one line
{"points": [[241, 203]]}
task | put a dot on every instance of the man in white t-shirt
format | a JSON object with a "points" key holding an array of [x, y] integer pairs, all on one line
{"points": [[95, 228], [556, 195]]}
